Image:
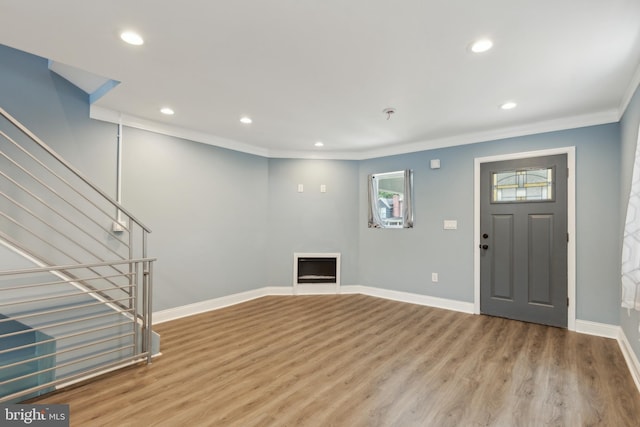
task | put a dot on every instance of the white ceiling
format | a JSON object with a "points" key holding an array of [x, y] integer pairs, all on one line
{"points": [[324, 70]]}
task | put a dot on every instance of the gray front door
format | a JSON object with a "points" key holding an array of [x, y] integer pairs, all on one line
{"points": [[523, 239]]}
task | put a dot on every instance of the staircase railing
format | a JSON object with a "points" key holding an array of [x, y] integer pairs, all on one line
{"points": [[75, 276]]}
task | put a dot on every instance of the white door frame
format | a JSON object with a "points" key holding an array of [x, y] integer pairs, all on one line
{"points": [[571, 223]]}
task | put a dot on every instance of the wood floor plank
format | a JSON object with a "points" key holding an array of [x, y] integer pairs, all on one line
{"points": [[355, 360]]}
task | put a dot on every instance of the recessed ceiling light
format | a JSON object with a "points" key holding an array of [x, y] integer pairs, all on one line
{"points": [[481, 45], [168, 111], [319, 144], [132, 38], [246, 120], [510, 105]]}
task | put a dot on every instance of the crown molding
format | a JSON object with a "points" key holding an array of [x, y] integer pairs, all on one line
{"points": [[573, 122], [631, 90], [111, 116]]}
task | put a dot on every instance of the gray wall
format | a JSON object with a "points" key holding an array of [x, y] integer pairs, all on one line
{"points": [[10, 260], [207, 209], [206, 206], [58, 113], [211, 209], [629, 319], [403, 259], [447, 193], [312, 221]]}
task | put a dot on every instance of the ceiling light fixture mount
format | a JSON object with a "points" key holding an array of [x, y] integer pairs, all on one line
{"points": [[246, 120], [389, 112], [167, 111], [509, 105]]}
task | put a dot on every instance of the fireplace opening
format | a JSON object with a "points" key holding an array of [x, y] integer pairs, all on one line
{"points": [[317, 268]]}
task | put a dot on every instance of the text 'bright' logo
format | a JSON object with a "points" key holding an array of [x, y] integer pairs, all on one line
{"points": [[38, 415], [25, 416]]}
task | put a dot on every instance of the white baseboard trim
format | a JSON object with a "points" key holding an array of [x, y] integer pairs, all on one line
{"points": [[216, 303], [448, 304], [226, 301], [316, 289], [278, 290], [615, 332], [597, 329], [630, 357]]}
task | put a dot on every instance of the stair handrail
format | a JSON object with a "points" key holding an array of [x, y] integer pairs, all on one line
{"points": [[138, 306], [72, 169], [72, 266]]}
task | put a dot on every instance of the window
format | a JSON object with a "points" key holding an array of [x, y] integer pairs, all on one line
{"points": [[527, 185], [390, 199]]}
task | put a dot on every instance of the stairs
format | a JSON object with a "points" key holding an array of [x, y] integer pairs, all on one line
{"points": [[32, 346], [75, 285], [54, 331]]}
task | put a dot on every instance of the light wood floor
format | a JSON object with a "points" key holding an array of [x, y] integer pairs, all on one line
{"points": [[354, 360]]}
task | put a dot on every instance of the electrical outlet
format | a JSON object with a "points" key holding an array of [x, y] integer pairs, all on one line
{"points": [[434, 277]]}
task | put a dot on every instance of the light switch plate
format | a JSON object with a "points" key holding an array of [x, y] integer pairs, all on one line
{"points": [[300, 188], [450, 224]]}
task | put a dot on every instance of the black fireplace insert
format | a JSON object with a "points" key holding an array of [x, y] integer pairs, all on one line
{"points": [[316, 270]]}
